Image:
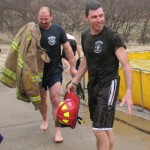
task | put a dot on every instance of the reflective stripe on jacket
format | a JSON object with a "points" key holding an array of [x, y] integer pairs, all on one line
{"points": [[24, 64]]}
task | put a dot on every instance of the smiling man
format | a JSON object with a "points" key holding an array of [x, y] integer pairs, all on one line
{"points": [[53, 37], [103, 50]]}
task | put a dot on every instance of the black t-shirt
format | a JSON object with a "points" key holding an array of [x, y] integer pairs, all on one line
{"points": [[100, 50], [51, 41], [73, 45]]}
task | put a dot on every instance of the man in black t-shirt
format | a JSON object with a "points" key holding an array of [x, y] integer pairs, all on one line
{"points": [[52, 37], [103, 50]]}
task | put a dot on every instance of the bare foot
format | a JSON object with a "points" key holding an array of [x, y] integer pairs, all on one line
{"points": [[58, 136], [44, 125]]}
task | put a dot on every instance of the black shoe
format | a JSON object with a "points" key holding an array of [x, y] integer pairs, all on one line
{"points": [[1, 138]]}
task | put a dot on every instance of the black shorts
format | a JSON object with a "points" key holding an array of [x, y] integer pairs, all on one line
{"points": [[102, 105], [49, 81]]}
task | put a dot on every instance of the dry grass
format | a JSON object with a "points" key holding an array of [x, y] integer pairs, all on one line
{"points": [[5, 48], [138, 48]]}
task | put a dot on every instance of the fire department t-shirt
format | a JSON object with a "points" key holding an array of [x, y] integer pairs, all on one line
{"points": [[51, 41], [100, 50]]}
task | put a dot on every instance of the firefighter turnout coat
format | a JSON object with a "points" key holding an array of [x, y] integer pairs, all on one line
{"points": [[24, 64]]}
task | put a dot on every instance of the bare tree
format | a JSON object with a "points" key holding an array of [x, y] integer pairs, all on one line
{"points": [[70, 14], [133, 16], [2, 7], [145, 21], [124, 16], [115, 13], [129, 17]]}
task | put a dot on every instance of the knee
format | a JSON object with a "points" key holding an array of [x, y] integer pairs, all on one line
{"points": [[43, 99], [101, 136], [43, 96], [98, 134], [55, 100]]}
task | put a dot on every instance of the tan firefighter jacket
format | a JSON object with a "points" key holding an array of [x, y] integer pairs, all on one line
{"points": [[24, 64]]}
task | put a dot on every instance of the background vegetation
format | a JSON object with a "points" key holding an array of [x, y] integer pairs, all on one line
{"points": [[130, 17]]}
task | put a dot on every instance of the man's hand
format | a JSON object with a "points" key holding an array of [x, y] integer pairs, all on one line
{"points": [[127, 99], [71, 87]]}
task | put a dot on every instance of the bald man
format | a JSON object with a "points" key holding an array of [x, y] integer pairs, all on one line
{"points": [[52, 38]]}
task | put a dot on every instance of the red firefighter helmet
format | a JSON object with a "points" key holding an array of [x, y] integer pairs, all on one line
{"points": [[67, 111]]}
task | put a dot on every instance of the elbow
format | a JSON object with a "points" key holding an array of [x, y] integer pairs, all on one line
{"points": [[126, 67]]}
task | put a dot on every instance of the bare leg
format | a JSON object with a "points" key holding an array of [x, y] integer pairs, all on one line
{"points": [[101, 139], [111, 139], [55, 99], [58, 136], [43, 110]]}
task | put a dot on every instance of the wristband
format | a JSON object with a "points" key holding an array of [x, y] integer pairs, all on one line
{"points": [[74, 84]]}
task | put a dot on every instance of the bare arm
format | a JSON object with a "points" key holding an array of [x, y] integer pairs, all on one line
{"points": [[78, 51], [80, 73], [122, 57], [70, 57]]}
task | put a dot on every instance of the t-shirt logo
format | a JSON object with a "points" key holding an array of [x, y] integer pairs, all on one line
{"points": [[98, 47], [51, 40]]}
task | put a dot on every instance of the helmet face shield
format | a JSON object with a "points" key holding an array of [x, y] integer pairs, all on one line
{"points": [[67, 111]]}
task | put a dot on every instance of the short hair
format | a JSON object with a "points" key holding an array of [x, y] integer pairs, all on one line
{"points": [[47, 8], [92, 5]]}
